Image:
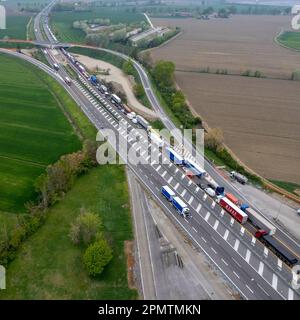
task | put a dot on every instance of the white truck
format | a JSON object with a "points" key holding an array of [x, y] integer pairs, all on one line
{"points": [[238, 177], [177, 203], [143, 122], [259, 221]]}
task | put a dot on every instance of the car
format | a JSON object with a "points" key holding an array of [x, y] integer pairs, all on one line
{"points": [[130, 116], [210, 192], [202, 186]]}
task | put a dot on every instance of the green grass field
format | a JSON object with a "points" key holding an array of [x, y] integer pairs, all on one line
{"points": [[62, 22], [49, 266], [33, 131], [15, 27], [290, 39]]}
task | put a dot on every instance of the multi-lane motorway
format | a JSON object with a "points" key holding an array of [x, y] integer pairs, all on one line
{"points": [[244, 261]]}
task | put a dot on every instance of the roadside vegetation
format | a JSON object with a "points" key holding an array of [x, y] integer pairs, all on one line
{"points": [[67, 188]]}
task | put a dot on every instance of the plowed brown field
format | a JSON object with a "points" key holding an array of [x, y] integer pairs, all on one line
{"points": [[235, 44], [260, 119]]}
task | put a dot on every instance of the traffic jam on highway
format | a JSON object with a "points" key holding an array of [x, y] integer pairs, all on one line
{"points": [[241, 212]]}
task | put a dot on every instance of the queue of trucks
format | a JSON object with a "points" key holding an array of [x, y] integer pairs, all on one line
{"points": [[177, 203], [241, 212]]}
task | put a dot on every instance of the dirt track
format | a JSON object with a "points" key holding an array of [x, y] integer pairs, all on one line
{"points": [[235, 44], [260, 119]]}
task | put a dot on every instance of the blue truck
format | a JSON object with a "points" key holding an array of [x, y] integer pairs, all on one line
{"points": [[195, 169], [175, 157], [168, 193], [177, 203], [181, 207], [94, 79]]}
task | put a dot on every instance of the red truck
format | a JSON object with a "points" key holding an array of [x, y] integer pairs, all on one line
{"points": [[232, 198], [233, 210]]}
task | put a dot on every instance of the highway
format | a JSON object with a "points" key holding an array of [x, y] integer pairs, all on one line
{"points": [[250, 268]]}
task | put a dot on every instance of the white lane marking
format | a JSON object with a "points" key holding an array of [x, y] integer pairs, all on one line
{"points": [[195, 229], [191, 199], [291, 294], [249, 289], [152, 163], [207, 216], [215, 240], [203, 239], [216, 224], [236, 245], [164, 174], [171, 178], [231, 221], [266, 252], [242, 231], [213, 250], [197, 189], [142, 152], [261, 268], [236, 274], [183, 193], [190, 182], [157, 169], [236, 262], [182, 177], [263, 289], [204, 196], [176, 170], [274, 281], [222, 213], [226, 234], [213, 204], [279, 264], [199, 207], [253, 241], [248, 255], [224, 262], [177, 185], [148, 158]]}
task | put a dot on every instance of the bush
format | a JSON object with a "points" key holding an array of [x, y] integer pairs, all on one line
{"points": [[96, 257], [86, 228]]}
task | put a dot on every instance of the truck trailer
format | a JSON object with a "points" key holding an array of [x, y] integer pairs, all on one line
{"points": [[181, 207], [258, 220], [233, 210], [282, 252], [115, 99], [175, 157], [168, 192], [238, 177], [232, 198], [94, 80], [144, 123], [195, 168]]}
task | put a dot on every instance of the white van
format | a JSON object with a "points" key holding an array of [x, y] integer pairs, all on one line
{"points": [[210, 192]]}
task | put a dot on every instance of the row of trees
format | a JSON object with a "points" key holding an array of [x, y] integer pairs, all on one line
{"points": [[163, 75], [50, 187]]}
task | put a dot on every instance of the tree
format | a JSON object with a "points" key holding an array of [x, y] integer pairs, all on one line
{"points": [[128, 67], [86, 228], [208, 11], [214, 139], [96, 257], [163, 73]]}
